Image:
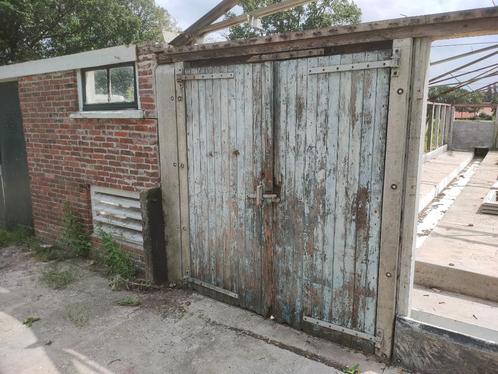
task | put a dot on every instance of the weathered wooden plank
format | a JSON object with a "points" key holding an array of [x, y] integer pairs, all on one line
{"points": [[376, 191], [416, 126], [393, 188], [341, 305], [168, 143]]}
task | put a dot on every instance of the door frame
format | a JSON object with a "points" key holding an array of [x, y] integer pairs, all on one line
{"points": [[174, 182]]}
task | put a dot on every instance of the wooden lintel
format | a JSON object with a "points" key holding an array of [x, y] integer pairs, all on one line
{"points": [[472, 22]]}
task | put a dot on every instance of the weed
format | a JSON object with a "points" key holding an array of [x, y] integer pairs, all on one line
{"points": [[78, 314], [129, 301], [58, 279], [74, 237], [29, 321], [51, 253], [355, 369], [20, 237], [117, 262]]}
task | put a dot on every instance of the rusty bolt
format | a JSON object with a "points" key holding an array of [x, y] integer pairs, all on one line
{"points": [[184, 228], [172, 98], [174, 164], [389, 275], [182, 166], [400, 91], [394, 186], [180, 98]]}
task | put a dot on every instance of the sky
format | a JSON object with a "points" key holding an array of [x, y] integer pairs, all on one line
{"points": [[186, 12]]}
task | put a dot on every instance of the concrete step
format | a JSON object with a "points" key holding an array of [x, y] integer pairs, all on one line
{"points": [[462, 269], [456, 312]]}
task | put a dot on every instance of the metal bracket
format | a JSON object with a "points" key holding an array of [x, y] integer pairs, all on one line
{"points": [[263, 197], [344, 330], [355, 66], [212, 287], [190, 77]]}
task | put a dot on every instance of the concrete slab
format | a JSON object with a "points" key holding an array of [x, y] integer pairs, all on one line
{"points": [[172, 331], [461, 253], [465, 314], [438, 172]]}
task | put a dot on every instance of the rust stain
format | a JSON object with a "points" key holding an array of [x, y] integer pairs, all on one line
{"points": [[360, 208]]}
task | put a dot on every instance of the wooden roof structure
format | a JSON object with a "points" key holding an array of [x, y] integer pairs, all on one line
{"points": [[473, 22]]}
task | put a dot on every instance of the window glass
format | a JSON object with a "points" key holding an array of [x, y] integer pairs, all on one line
{"points": [[122, 82], [96, 87], [109, 88]]}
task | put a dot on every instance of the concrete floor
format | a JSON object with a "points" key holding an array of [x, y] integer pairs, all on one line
{"points": [[461, 256], [438, 172], [82, 330]]}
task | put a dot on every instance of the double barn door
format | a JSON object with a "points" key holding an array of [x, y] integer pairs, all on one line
{"points": [[285, 185]]}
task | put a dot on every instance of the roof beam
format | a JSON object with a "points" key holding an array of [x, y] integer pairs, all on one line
{"points": [[463, 66], [192, 33], [471, 22], [464, 55], [258, 13]]}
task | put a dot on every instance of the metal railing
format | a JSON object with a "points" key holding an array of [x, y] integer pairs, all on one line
{"points": [[437, 125]]}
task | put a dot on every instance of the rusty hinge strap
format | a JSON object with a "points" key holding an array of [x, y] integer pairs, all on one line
{"points": [[190, 77], [344, 330], [212, 287], [355, 66]]}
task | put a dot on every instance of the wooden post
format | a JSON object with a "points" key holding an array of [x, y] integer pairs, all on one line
{"points": [[181, 121], [393, 191], [170, 184], [413, 159]]}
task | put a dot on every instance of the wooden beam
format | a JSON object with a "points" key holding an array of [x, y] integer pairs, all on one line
{"points": [[399, 95], [413, 164], [192, 33], [258, 13], [473, 22], [170, 183]]}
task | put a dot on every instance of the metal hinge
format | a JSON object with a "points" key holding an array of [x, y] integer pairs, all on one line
{"points": [[211, 287], [190, 77], [394, 62], [358, 334]]}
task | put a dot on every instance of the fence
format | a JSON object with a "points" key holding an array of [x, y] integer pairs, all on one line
{"points": [[437, 126]]}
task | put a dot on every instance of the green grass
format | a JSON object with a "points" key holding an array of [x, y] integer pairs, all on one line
{"points": [[129, 301], [74, 238], [355, 369], [78, 314], [117, 262], [18, 237], [30, 320], [58, 279]]}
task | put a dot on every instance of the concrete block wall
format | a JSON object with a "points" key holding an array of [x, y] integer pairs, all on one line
{"points": [[468, 135], [67, 155]]}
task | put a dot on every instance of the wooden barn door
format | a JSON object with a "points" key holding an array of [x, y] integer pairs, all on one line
{"points": [[287, 188], [230, 155], [331, 123]]}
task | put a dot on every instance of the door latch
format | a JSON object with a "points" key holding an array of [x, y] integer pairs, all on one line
{"points": [[261, 197]]}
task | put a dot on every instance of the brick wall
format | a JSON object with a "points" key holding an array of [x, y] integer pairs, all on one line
{"points": [[66, 156]]}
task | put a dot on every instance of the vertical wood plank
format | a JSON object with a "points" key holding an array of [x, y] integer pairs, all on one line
{"points": [[414, 153], [183, 170], [168, 143], [393, 189]]}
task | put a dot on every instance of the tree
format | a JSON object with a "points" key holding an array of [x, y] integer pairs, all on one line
{"points": [[318, 14], [458, 96], [32, 29]]}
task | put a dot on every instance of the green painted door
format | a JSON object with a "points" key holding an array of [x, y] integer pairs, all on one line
{"points": [[15, 198]]}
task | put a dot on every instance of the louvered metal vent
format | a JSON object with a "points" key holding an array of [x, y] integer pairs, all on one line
{"points": [[117, 213]]}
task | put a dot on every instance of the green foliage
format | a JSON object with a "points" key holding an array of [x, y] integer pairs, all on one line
{"points": [[31, 29], [355, 369], [117, 262], [129, 301], [58, 279], [20, 237], [319, 14], [30, 320], [458, 96], [74, 238]]}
